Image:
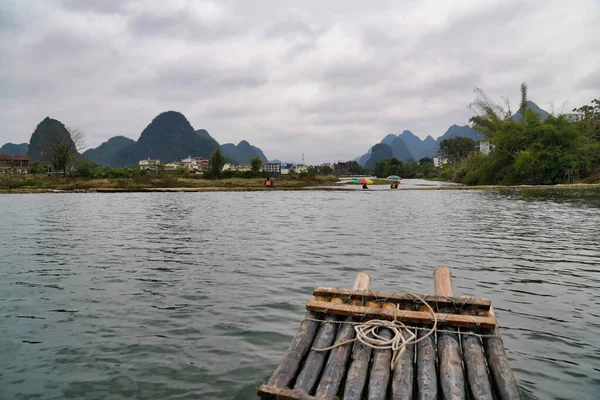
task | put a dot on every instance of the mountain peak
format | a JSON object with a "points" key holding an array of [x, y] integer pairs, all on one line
{"points": [[388, 139]]}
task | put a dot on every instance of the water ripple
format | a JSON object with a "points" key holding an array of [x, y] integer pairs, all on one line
{"points": [[197, 295]]}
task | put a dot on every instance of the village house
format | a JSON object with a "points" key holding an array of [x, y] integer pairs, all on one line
{"points": [[195, 164], [19, 164], [341, 168], [300, 168], [272, 168], [149, 164], [438, 161], [484, 147]]}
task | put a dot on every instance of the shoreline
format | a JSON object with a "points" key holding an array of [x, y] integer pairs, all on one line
{"points": [[341, 188]]}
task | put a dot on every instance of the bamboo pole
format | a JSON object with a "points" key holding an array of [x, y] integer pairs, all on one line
{"points": [[380, 370], [452, 379], [477, 373], [335, 368], [427, 383], [311, 370], [403, 375], [290, 363], [359, 368], [503, 378]]}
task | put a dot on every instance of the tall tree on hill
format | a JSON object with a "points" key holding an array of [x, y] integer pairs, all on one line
{"points": [[64, 147], [523, 106], [216, 164], [255, 164]]}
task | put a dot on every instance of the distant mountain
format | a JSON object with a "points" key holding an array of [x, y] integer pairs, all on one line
{"points": [[400, 150], [388, 139], [105, 154], [362, 160], [535, 108], [260, 153], [242, 153], [11, 149], [462, 131], [381, 151], [47, 132], [204, 134], [419, 148], [169, 137]]}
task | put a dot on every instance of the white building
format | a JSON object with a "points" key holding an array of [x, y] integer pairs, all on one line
{"points": [[485, 147], [272, 168], [149, 164], [438, 161], [300, 168]]}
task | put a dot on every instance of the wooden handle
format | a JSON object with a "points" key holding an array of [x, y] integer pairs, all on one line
{"points": [[442, 282], [362, 281]]}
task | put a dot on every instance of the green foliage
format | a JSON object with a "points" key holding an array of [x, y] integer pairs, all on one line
{"points": [[256, 164], [530, 150], [355, 168], [37, 168], [215, 165], [85, 168], [457, 148], [423, 169]]}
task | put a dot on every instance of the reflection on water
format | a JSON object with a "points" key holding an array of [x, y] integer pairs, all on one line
{"points": [[197, 295]]}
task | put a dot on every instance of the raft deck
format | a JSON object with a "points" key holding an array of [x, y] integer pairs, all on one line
{"points": [[454, 348]]}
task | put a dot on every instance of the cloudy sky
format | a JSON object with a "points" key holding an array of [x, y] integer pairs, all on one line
{"points": [[327, 78]]}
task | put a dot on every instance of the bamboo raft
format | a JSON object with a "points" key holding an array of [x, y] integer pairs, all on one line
{"points": [[459, 354]]}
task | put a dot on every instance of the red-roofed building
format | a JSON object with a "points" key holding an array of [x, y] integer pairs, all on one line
{"points": [[20, 164]]}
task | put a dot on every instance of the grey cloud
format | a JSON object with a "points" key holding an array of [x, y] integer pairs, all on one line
{"points": [[181, 24], [327, 78], [96, 6]]}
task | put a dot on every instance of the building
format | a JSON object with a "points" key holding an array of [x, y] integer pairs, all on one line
{"points": [[300, 168], [485, 147], [172, 166], [341, 168], [149, 164], [195, 164], [286, 169], [272, 168], [19, 164], [438, 161], [234, 167]]}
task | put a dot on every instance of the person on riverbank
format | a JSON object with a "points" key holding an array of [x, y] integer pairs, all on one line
{"points": [[269, 183], [365, 186]]}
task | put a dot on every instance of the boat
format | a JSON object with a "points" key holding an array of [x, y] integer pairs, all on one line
{"points": [[357, 343]]}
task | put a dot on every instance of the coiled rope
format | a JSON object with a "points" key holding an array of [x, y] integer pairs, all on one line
{"points": [[367, 333]]}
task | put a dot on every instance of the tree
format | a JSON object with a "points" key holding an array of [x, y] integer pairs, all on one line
{"points": [[256, 164], [523, 106], [355, 168], [64, 147], [457, 148], [216, 164]]}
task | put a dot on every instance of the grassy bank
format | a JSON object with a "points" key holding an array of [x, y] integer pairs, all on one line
{"points": [[19, 183]]}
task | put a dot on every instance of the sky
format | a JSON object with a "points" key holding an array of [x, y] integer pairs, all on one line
{"points": [[325, 78]]}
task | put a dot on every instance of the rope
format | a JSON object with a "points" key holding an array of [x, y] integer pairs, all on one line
{"points": [[411, 327], [367, 334]]}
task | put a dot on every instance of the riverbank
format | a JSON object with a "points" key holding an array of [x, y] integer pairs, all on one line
{"points": [[225, 188], [50, 184]]}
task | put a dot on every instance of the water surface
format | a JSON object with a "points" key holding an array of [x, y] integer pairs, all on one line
{"points": [[197, 295]]}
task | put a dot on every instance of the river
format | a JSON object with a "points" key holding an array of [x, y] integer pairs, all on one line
{"points": [[197, 295]]}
